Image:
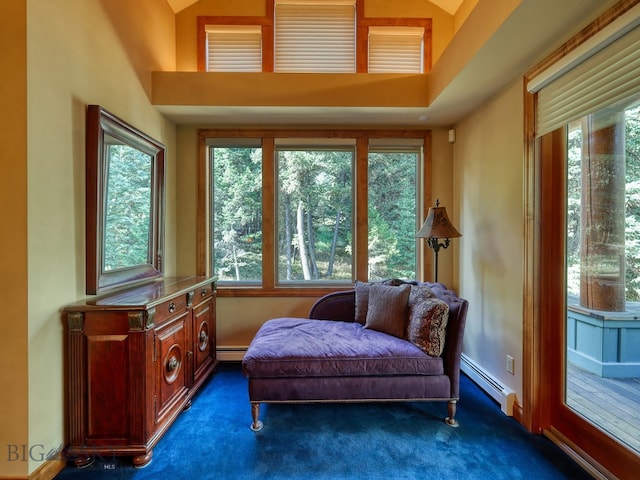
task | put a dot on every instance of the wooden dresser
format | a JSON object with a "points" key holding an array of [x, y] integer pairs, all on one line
{"points": [[135, 358]]}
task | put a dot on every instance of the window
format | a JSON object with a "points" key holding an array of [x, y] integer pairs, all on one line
{"points": [[313, 211], [396, 49], [315, 36], [237, 210], [393, 195], [315, 217], [234, 48]]}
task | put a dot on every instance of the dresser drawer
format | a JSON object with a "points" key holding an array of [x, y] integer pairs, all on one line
{"points": [[202, 293], [169, 308]]}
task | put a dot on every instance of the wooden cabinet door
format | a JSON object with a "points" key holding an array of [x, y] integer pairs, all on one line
{"points": [[171, 354], [107, 346], [204, 330]]}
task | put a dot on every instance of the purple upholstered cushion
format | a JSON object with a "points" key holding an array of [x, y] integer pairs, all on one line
{"points": [[297, 347]]}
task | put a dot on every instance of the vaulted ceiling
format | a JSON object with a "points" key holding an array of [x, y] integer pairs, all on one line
{"points": [[449, 6]]}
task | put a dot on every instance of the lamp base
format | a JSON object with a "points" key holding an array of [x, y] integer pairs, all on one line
{"points": [[436, 246]]}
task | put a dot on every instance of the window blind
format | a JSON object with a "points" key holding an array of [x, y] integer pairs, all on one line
{"points": [[396, 142], [240, 142], [234, 48], [608, 77], [313, 142], [396, 49], [315, 37]]}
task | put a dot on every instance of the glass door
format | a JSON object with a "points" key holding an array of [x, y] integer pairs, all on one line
{"points": [[602, 320], [589, 307]]}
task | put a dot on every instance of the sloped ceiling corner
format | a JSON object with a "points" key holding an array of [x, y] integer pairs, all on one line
{"points": [[449, 6]]}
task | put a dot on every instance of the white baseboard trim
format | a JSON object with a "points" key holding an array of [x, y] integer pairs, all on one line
{"points": [[500, 393], [230, 354]]}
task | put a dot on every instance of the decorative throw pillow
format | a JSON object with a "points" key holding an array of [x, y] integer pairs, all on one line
{"points": [[419, 293], [362, 301], [388, 309], [362, 296], [427, 323]]}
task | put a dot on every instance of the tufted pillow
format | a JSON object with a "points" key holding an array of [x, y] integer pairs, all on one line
{"points": [[419, 293], [362, 297], [427, 323], [388, 309]]}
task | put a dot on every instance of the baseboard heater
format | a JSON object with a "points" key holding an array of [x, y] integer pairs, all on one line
{"points": [[500, 393], [230, 354]]}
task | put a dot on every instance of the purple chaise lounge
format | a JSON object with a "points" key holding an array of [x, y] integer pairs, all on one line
{"points": [[340, 353]]}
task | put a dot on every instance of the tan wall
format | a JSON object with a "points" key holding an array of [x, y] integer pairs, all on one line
{"points": [[186, 22], [463, 12], [223, 89], [488, 180], [238, 319], [186, 202], [80, 52], [442, 189], [13, 237]]}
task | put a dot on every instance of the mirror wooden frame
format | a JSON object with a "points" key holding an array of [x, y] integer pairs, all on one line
{"points": [[98, 280]]}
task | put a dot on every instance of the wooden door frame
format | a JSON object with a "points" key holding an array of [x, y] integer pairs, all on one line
{"points": [[544, 311]]}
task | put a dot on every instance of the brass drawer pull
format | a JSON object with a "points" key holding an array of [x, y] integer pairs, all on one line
{"points": [[172, 307]]}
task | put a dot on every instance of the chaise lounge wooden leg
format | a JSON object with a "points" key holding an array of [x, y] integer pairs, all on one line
{"points": [[257, 425], [451, 420]]}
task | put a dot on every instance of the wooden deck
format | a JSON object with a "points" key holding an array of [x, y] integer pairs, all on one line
{"points": [[611, 403]]}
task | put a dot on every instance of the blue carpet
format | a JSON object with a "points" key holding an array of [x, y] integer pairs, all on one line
{"points": [[392, 441]]}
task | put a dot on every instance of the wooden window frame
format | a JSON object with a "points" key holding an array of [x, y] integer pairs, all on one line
{"points": [[383, 50], [269, 287], [362, 36], [267, 23]]}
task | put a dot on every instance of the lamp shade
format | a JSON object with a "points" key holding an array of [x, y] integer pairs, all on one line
{"points": [[438, 225]]}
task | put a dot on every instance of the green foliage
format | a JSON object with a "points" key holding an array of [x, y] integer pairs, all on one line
{"points": [[392, 214], [128, 208], [314, 214], [237, 214], [632, 205]]}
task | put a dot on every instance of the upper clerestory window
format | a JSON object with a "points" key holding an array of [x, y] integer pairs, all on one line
{"points": [[396, 49], [312, 36], [234, 48]]}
